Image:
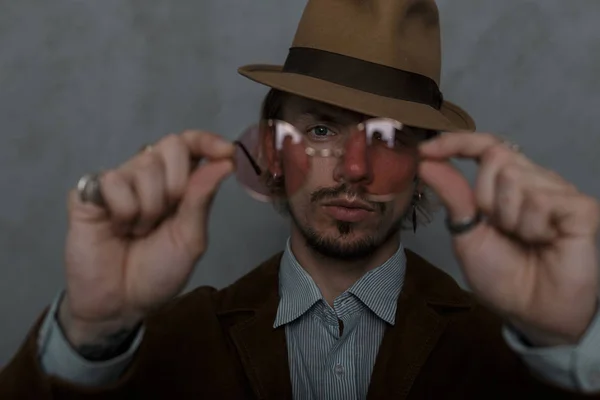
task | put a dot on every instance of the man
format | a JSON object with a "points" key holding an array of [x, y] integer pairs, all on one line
{"points": [[345, 312]]}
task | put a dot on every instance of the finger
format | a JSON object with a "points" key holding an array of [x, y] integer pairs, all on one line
{"points": [[496, 159], [501, 181], [204, 144], [120, 200], [190, 222], [575, 214], [547, 215], [535, 219], [84, 211], [147, 174], [459, 144], [177, 162], [507, 198], [452, 188]]}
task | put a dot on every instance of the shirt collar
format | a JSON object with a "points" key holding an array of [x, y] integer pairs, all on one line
{"points": [[297, 289], [378, 289]]}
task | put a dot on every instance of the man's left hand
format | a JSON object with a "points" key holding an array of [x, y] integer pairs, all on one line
{"points": [[533, 258]]}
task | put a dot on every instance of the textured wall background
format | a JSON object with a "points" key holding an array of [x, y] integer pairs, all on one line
{"points": [[83, 84]]}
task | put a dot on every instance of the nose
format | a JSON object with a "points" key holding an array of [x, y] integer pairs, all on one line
{"points": [[354, 166]]}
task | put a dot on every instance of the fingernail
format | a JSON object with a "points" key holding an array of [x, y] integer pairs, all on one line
{"points": [[228, 168], [224, 145], [427, 145]]}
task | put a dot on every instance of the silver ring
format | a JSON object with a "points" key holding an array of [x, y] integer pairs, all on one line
{"points": [[464, 226], [88, 188], [147, 148], [510, 145]]}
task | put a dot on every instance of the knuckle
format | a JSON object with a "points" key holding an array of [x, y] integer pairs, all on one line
{"points": [[153, 203], [509, 175], [151, 215], [191, 134], [112, 177], [199, 139], [127, 211], [538, 201], [150, 189], [490, 140], [176, 166], [123, 206], [176, 191], [489, 137], [591, 207], [151, 211], [172, 142], [171, 138], [149, 160], [495, 155]]}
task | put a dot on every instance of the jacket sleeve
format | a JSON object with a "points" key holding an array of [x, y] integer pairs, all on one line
{"points": [[58, 358], [164, 344], [574, 367]]}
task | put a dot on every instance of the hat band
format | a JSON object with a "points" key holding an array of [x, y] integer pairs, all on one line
{"points": [[364, 75]]}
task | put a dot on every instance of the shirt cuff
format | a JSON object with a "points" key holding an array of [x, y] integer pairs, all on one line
{"points": [[573, 367], [58, 358]]}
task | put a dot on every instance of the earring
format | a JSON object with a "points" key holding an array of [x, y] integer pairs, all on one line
{"points": [[276, 179], [416, 199]]}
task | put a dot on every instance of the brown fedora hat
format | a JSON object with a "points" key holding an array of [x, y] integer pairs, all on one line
{"points": [[378, 57]]}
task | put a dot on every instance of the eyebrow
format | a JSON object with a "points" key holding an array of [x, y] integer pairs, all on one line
{"points": [[325, 116]]}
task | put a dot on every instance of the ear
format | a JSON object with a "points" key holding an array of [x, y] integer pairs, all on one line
{"points": [[272, 156]]}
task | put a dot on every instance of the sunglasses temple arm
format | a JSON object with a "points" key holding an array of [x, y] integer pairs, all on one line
{"points": [[247, 153]]}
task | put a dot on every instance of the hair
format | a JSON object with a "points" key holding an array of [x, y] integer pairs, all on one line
{"points": [[273, 108]]}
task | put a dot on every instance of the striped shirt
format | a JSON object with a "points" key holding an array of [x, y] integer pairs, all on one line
{"points": [[332, 350]]}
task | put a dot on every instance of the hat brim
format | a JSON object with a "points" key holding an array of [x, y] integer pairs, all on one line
{"points": [[450, 118]]}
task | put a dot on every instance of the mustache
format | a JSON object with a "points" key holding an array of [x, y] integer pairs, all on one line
{"points": [[344, 190]]}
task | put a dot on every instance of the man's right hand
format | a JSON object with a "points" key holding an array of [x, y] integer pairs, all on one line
{"points": [[138, 252]]}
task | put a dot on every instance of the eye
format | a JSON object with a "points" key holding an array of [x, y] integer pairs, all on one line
{"points": [[320, 131]]}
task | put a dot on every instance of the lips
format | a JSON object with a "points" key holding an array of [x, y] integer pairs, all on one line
{"points": [[348, 211], [354, 205]]}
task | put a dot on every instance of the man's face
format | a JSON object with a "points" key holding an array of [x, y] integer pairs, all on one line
{"points": [[329, 198]]}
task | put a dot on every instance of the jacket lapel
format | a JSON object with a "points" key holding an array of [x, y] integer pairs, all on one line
{"points": [[262, 348], [248, 309], [407, 345]]}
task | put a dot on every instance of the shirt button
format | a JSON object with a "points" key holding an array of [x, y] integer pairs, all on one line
{"points": [[339, 370]]}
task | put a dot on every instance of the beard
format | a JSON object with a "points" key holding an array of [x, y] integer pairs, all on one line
{"points": [[343, 246]]}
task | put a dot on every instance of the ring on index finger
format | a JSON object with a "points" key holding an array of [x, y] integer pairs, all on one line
{"points": [[88, 188], [146, 148], [465, 225], [510, 145]]}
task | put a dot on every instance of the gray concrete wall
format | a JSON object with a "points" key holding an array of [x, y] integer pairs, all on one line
{"points": [[83, 84]]}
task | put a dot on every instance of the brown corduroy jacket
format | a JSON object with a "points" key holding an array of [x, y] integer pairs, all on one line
{"points": [[220, 344]]}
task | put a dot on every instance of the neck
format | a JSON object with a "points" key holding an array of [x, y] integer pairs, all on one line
{"points": [[333, 277]]}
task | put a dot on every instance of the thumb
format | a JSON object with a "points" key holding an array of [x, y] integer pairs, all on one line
{"points": [[452, 188], [191, 218]]}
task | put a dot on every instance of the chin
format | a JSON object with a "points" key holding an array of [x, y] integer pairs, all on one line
{"points": [[342, 240], [345, 249], [347, 231]]}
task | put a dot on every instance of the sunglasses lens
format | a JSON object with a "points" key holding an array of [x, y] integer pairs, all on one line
{"points": [[249, 173], [272, 150], [390, 154], [263, 152]]}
